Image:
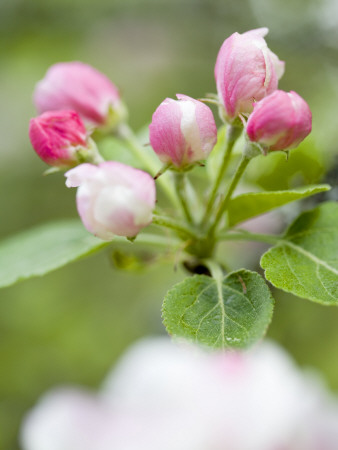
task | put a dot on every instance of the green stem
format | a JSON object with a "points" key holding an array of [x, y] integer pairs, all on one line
{"points": [[215, 269], [225, 203], [146, 238], [141, 154], [247, 236], [180, 228], [157, 241], [232, 135], [181, 193]]}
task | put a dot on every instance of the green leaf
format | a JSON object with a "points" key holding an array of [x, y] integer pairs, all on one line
{"points": [[246, 206], [45, 248], [305, 262], [273, 172], [232, 312]]}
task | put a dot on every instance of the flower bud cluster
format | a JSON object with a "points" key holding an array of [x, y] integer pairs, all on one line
{"points": [[246, 70], [247, 75], [74, 100]]}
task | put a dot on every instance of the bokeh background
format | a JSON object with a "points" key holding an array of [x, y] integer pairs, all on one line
{"points": [[70, 326]]}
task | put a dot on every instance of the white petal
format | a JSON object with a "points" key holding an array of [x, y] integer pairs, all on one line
{"points": [[79, 174], [190, 130]]}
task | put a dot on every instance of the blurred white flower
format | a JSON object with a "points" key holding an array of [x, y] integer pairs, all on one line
{"points": [[170, 396]]}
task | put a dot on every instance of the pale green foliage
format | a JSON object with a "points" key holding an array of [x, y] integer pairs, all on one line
{"points": [[305, 262], [45, 248], [41, 250], [233, 312], [252, 204], [273, 172]]}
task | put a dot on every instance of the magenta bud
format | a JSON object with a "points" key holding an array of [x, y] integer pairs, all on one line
{"points": [[246, 70], [113, 198], [80, 87], [182, 131], [59, 138], [280, 121]]}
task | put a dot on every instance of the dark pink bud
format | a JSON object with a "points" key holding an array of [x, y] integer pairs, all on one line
{"points": [[58, 137], [280, 121]]}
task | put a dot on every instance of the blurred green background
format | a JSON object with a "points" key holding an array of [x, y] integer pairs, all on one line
{"points": [[71, 325]]}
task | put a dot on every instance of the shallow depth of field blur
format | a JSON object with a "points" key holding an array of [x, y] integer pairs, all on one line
{"points": [[70, 326]]}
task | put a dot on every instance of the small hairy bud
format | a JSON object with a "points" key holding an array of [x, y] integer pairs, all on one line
{"points": [[113, 198], [182, 131], [60, 138], [78, 86], [280, 121], [246, 70]]}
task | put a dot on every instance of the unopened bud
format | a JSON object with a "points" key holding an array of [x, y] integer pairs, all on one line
{"points": [[280, 121], [113, 198], [60, 139], [182, 131], [246, 70], [80, 87]]}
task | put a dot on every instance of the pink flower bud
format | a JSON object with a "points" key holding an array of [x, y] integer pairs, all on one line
{"points": [[59, 137], [182, 131], [78, 86], [113, 198], [280, 121], [246, 70]]}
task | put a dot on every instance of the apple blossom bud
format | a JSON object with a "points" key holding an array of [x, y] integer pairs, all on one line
{"points": [[60, 139], [245, 70], [113, 198], [172, 396], [280, 121], [182, 131], [78, 86]]}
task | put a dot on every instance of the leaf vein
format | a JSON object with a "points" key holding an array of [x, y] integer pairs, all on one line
{"points": [[310, 256], [292, 271], [224, 314], [193, 303], [321, 282], [203, 318], [221, 304], [243, 296], [314, 230]]}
